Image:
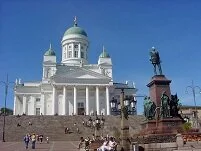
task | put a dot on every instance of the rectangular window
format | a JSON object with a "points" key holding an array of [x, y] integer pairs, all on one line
{"points": [[76, 54], [70, 54], [80, 105], [82, 54], [82, 47], [69, 47], [37, 111], [37, 99]]}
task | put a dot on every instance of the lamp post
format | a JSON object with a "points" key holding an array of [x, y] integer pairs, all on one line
{"points": [[193, 88], [124, 124], [6, 84], [4, 114]]}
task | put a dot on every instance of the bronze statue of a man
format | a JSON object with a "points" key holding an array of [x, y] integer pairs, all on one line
{"points": [[165, 108], [155, 60]]}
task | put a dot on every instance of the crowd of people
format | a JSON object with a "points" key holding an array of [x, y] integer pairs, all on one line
{"points": [[32, 138], [109, 143]]}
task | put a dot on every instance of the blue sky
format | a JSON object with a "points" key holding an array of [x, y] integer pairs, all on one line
{"points": [[127, 29]]}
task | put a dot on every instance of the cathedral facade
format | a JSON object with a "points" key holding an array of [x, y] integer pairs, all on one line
{"points": [[73, 86]]}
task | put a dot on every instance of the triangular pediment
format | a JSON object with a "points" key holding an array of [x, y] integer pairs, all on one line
{"points": [[79, 73], [84, 74], [87, 76]]}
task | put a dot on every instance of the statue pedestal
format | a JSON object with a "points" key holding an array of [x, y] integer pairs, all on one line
{"points": [[158, 84], [162, 126]]}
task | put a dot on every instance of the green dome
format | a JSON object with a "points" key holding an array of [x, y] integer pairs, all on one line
{"points": [[104, 54], [50, 52], [75, 30]]}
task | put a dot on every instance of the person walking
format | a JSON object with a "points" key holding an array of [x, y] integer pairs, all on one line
{"points": [[26, 140], [33, 139]]}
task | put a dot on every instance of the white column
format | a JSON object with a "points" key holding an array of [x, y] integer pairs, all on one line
{"points": [[87, 100], [34, 105], [54, 101], [107, 100], [79, 51], [15, 105], [64, 100], [24, 104], [97, 101], [75, 101], [73, 50], [42, 98]]}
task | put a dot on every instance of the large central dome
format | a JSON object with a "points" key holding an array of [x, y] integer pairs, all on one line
{"points": [[75, 30]]}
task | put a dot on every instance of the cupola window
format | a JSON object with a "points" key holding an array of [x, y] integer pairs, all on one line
{"points": [[76, 54], [69, 47], [70, 54]]}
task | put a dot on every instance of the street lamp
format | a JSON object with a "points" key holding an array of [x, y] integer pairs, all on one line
{"points": [[113, 104], [133, 105], [6, 84], [193, 89]]}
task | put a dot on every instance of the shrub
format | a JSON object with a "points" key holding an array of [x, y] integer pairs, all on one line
{"points": [[187, 126]]}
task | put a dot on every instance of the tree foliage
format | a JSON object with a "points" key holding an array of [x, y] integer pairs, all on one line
{"points": [[187, 126], [7, 110]]}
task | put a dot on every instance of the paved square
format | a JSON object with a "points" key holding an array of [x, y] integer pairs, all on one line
{"points": [[52, 146]]}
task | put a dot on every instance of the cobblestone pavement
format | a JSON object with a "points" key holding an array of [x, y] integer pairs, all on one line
{"points": [[52, 146]]}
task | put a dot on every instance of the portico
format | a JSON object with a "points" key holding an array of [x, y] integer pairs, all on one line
{"points": [[68, 100]]}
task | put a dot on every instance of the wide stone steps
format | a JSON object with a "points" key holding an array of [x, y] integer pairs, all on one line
{"points": [[54, 126]]}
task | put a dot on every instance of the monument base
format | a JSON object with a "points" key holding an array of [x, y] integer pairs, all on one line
{"points": [[162, 126]]}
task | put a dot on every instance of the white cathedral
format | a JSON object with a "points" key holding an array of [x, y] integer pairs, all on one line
{"points": [[72, 87]]}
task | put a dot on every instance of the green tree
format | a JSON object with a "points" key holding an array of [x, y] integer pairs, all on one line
{"points": [[187, 126], [7, 110]]}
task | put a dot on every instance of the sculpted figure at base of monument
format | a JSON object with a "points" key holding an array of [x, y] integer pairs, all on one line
{"points": [[149, 108]]}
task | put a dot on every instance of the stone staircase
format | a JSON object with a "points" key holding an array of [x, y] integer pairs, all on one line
{"points": [[54, 126]]}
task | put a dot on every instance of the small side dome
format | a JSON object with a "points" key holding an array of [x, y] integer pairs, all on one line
{"points": [[75, 30], [50, 52], [104, 54]]}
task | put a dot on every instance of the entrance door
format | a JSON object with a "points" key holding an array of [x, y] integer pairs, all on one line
{"points": [[81, 108]]}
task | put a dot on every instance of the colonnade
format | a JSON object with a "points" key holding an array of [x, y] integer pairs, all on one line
{"points": [[65, 103], [23, 108]]}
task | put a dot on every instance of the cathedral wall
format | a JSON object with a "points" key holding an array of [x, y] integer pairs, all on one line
{"points": [[92, 104], [60, 104], [102, 99]]}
